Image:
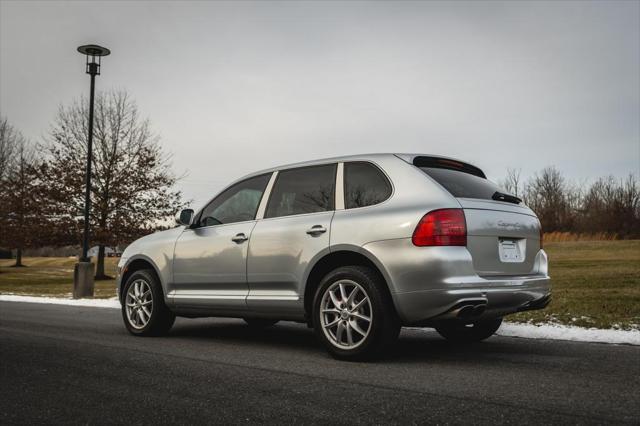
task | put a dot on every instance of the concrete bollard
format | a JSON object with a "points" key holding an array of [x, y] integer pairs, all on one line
{"points": [[83, 280]]}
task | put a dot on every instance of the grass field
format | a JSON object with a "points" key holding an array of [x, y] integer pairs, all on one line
{"points": [[50, 276], [595, 283]]}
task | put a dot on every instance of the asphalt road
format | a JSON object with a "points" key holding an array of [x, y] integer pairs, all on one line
{"points": [[76, 365]]}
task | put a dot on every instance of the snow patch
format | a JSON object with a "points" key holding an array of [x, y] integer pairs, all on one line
{"points": [[570, 332], [94, 303], [510, 329]]}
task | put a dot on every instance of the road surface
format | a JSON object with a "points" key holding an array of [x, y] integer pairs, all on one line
{"points": [[78, 365]]}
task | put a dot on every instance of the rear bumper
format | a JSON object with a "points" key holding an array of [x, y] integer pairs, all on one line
{"points": [[427, 283], [501, 298]]}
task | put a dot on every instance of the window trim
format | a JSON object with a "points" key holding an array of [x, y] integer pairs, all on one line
{"points": [[386, 176], [335, 164], [339, 202], [262, 207], [199, 214]]}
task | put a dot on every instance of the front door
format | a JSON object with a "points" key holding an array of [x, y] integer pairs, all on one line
{"points": [[294, 232], [210, 257]]}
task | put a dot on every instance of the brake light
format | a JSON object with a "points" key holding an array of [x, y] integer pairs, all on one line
{"points": [[446, 227]]}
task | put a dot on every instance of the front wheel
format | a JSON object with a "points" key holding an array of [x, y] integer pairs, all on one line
{"points": [[466, 333], [143, 309], [353, 314]]}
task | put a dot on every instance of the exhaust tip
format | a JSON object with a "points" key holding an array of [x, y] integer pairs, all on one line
{"points": [[466, 311], [479, 310]]}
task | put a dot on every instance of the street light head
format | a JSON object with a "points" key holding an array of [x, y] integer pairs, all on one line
{"points": [[93, 51]]}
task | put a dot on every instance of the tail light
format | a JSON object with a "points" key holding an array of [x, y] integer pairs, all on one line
{"points": [[446, 227]]}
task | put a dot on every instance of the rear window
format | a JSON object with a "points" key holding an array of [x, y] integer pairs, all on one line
{"points": [[364, 185], [462, 184]]}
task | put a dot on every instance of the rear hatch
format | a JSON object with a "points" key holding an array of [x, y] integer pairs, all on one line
{"points": [[503, 235]]}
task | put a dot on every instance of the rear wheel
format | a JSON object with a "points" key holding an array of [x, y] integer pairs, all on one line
{"points": [[260, 322], [353, 314], [465, 333], [143, 309]]}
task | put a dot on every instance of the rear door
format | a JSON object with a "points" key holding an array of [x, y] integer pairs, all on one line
{"points": [[503, 237], [294, 231]]}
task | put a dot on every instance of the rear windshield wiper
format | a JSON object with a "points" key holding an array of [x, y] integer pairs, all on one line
{"points": [[500, 196]]}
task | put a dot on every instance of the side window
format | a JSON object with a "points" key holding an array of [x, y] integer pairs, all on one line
{"points": [[364, 185], [303, 190], [236, 204]]}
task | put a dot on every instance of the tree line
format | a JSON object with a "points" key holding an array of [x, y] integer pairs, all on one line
{"points": [[606, 206], [42, 185]]}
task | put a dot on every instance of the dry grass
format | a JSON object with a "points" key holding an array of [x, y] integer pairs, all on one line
{"points": [[563, 237], [595, 284], [50, 276]]}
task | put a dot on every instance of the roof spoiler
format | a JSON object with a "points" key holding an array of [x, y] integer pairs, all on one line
{"points": [[445, 163]]}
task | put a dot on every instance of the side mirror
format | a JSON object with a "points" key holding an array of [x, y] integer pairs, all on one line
{"points": [[185, 218]]}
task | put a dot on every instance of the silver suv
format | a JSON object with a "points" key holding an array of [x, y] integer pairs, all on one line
{"points": [[356, 247]]}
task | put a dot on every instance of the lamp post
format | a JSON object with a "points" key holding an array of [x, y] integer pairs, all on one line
{"points": [[83, 272]]}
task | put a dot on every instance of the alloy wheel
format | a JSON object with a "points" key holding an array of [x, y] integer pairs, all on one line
{"points": [[345, 314], [139, 304]]}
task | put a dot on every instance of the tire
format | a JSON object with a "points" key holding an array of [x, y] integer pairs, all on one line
{"points": [[145, 291], [359, 338], [468, 333], [260, 322]]}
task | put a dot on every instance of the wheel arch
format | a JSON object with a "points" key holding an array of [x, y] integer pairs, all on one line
{"points": [[341, 256], [136, 264]]}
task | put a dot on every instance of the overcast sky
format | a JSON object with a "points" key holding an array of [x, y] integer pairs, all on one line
{"points": [[236, 87]]}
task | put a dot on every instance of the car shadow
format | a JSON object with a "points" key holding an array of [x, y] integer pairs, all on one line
{"points": [[424, 345], [237, 331]]}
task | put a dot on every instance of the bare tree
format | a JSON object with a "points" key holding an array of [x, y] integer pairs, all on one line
{"points": [[612, 206], [21, 211], [547, 193], [512, 183], [131, 176], [9, 139], [630, 206]]}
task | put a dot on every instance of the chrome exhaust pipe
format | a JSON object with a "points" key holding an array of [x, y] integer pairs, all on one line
{"points": [[469, 311], [479, 309], [466, 311]]}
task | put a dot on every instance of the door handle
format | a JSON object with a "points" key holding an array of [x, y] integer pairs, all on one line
{"points": [[239, 238], [316, 230]]}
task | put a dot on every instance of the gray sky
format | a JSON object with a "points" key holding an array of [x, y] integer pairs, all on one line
{"points": [[236, 87]]}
